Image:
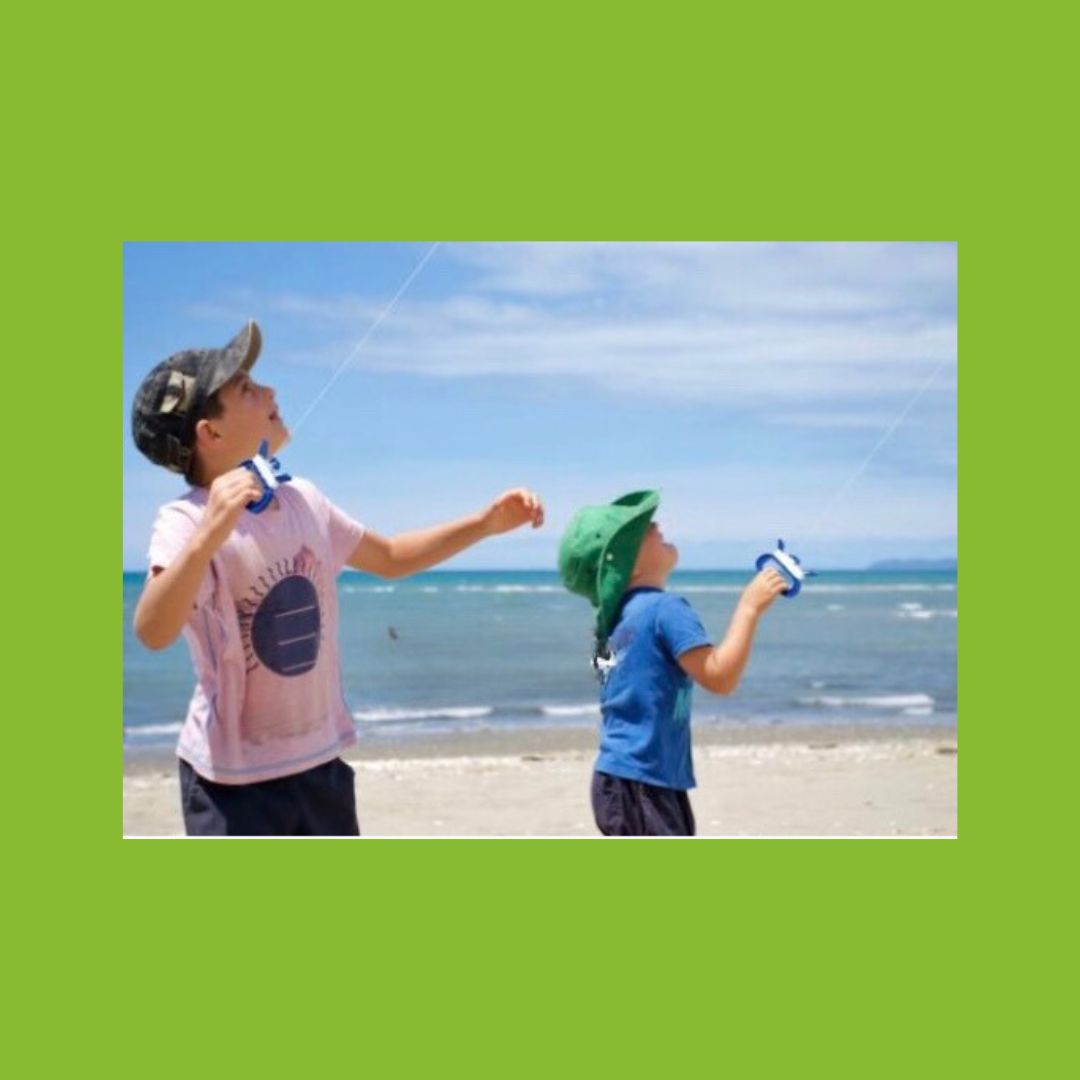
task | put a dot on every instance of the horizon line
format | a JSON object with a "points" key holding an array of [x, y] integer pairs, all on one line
{"points": [[677, 570]]}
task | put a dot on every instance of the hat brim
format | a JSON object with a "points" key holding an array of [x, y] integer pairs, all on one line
{"points": [[239, 355], [617, 562]]}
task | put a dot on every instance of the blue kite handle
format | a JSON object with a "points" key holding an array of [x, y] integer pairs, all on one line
{"points": [[269, 473], [789, 567]]}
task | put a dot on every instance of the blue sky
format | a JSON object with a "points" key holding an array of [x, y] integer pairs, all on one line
{"points": [[747, 381]]}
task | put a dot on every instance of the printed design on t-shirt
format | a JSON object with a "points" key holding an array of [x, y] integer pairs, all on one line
{"points": [[682, 705], [280, 620], [617, 645], [605, 663]]}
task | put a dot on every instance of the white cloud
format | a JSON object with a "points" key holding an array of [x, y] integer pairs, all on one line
{"points": [[805, 337], [746, 326], [823, 278]]}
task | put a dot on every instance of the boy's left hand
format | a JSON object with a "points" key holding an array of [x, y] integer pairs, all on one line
{"points": [[513, 509]]}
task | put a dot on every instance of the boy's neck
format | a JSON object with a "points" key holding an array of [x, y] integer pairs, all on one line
{"points": [[206, 474], [647, 581]]}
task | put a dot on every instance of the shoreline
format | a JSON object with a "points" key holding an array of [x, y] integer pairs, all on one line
{"points": [[509, 742], [779, 781]]}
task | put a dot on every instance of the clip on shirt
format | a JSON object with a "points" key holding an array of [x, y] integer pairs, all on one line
{"points": [[789, 566], [269, 474]]}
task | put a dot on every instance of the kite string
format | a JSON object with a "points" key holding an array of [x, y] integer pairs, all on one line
{"points": [[836, 499], [869, 457], [370, 330]]}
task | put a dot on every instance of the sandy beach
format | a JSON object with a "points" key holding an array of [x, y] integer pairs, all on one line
{"points": [[751, 783]]}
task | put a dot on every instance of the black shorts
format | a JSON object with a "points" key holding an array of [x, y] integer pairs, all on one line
{"points": [[631, 808], [317, 802]]}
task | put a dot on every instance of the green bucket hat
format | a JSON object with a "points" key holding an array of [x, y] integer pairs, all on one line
{"points": [[598, 551]]}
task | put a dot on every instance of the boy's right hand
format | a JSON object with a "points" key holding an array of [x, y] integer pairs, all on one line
{"points": [[763, 590], [229, 495]]}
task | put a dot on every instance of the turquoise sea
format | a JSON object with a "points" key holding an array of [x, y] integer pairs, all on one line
{"points": [[447, 651]]}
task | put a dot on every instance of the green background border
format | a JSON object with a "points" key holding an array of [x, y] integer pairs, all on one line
{"points": [[756, 958]]}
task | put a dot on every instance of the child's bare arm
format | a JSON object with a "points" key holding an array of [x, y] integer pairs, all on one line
{"points": [[408, 553], [168, 597], [719, 669]]}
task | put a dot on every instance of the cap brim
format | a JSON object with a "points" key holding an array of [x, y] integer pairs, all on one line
{"points": [[239, 355]]}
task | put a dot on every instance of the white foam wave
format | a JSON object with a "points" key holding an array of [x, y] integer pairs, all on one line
{"points": [[900, 586], [508, 588], [446, 712], [813, 587], [154, 729], [710, 588], [870, 701], [570, 710]]}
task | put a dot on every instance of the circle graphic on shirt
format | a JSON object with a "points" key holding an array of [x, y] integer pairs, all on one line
{"points": [[285, 629]]}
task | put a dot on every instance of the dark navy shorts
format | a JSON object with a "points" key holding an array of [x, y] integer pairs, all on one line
{"points": [[317, 802], [630, 808]]}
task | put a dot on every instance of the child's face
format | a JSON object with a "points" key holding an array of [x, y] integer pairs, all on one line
{"points": [[656, 557], [249, 415]]}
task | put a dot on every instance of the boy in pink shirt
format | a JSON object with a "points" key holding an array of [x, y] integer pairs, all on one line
{"points": [[254, 596]]}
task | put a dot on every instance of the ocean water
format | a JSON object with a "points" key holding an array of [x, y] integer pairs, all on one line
{"points": [[474, 650]]}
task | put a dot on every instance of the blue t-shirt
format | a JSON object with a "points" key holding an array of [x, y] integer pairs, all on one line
{"points": [[646, 695]]}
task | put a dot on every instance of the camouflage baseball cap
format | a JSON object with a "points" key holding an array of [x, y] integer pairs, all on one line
{"points": [[173, 396]]}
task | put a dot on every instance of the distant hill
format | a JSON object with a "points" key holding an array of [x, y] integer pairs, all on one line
{"points": [[912, 565]]}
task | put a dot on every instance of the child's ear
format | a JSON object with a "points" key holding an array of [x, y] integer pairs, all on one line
{"points": [[204, 433]]}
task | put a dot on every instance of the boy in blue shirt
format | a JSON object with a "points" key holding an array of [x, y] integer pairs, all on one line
{"points": [[650, 650]]}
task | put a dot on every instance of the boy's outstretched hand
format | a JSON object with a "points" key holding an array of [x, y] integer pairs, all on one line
{"points": [[512, 509]]}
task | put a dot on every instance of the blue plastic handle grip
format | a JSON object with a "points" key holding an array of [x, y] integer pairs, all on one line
{"points": [[264, 500]]}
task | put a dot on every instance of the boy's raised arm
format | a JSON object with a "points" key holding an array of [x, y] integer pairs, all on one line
{"points": [[719, 669], [168, 597], [408, 553]]}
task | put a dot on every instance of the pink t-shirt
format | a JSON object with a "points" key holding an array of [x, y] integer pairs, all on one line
{"points": [[264, 636]]}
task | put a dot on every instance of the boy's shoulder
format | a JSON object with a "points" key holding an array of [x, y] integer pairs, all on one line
{"points": [[677, 609], [676, 602], [649, 609], [658, 601], [663, 615], [189, 503], [306, 490], [662, 624], [301, 484]]}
